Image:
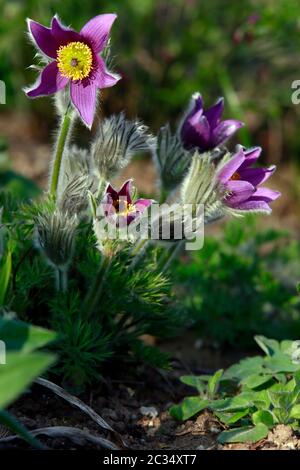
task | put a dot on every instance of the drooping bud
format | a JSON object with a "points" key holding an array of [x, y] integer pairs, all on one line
{"points": [[55, 236], [171, 159], [118, 139]]}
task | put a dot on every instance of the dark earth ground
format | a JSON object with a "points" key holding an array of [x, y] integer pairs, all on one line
{"points": [[135, 404]]}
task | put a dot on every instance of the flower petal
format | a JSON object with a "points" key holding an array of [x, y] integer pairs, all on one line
{"points": [[214, 113], [83, 95], [196, 133], [142, 204], [225, 130], [42, 38], [50, 81], [240, 191], [103, 78], [112, 192], [257, 176], [228, 170], [265, 194], [97, 30], [63, 34], [255, 206], [252, 156], [125, 191]]}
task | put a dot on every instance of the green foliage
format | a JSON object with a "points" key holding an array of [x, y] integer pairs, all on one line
{"points": [[252, 274], [23, 363], [135, 301], [253, 396]]}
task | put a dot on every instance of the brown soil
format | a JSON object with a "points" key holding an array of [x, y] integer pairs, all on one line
{"points": [[138, 410]]}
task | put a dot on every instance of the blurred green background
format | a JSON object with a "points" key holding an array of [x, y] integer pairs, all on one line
{"points": [[247, 51]]}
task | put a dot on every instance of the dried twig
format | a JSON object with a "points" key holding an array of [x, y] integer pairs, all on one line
{"points": [[74, 434], [82, 406]]}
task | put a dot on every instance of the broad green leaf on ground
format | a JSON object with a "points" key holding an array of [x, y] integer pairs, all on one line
{"points": [[193, 381], [231, 418], [230, 404], [246, 367], [255, 380], [213, 383], [295, 412], [19, 371], [20, 336], [188, 408], [263, 416], [269, 346], [244, 434]]}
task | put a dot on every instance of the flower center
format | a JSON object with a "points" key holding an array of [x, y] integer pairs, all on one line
{"points": [[123, 207], [75, 61], [235, 176]]}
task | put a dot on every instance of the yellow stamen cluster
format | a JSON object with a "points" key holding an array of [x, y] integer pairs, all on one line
{"points": [[123, 207], [75, 60]]}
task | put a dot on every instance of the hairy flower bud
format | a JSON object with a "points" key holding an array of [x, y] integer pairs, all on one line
{"points": [[55, 236], [118, 139], [171, 159]]}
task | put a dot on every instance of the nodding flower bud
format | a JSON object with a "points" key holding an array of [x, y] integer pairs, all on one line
{"points": [[55, 236], [201, 187], [118, 139], [171, 159], [74, 199]]}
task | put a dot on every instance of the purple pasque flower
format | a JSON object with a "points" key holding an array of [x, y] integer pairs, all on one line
{"points": [[119, 206], [75, 60], [242, 182], [203, 129]]}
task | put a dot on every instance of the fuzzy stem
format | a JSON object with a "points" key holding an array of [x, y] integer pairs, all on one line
{"points": [[62, 140], [94, 294], [61, 280]]}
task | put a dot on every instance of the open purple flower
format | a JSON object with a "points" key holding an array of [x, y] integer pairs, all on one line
{"points": [[242, 182], [75, 60], [119, 206], [204, 130]]}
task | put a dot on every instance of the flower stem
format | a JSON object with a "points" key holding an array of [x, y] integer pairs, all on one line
{"points": [[172, 253], [94, 294], [62, 140], [61, 280]]}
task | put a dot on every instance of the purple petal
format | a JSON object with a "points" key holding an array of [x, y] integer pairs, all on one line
{"points": [[257, 176], [103, 78], [214, 113], [112, 192], [125, 191], [257, 206], [142, 204], [43, 38], [265, 194], [97, 30], [63, 34], [196, 133], [241, 191], [83, 95], [50, 81], [228, 170], [252, 156], [225, 130]]}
